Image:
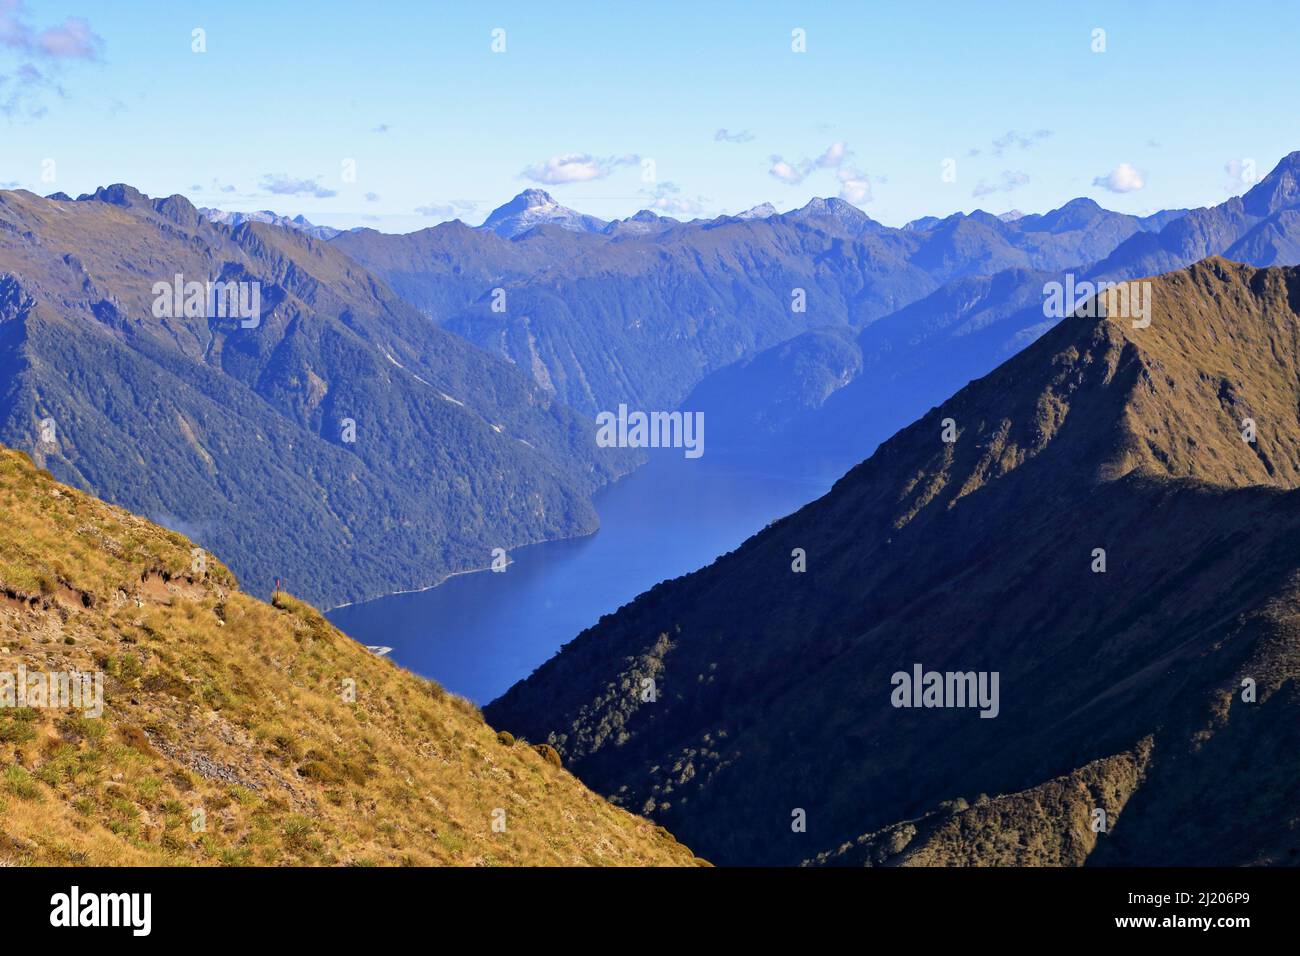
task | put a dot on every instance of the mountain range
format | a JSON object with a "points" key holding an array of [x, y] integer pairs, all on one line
{"points": [[408, 406], [601, 314], [338, 441], [299, 222], [1102, 529], [842, 395], [1097, 513]]}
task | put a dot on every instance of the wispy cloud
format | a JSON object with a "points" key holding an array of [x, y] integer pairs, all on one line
{"points": [[215, 186], [576, 168], [1009, 180], [70, 40], [444, 209], [23, 92], [282, 185], [1124, 178], [741, 136], [14, 34], [1016, 140]]}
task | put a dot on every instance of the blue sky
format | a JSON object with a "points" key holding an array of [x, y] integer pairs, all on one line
{"points": [[440, 126]]}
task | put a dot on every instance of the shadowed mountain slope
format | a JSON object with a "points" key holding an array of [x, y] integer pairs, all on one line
{"points": [[911, 360], [774, 688], [239, 435], [235, 732]]}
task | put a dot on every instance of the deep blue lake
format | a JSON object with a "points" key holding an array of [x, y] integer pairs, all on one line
{"points": [[478, 633]]}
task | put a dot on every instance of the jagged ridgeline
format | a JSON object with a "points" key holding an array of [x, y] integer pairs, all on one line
{"points": [[1108, 522], [640, 310], [338, 440], [230, 731], [841, 392]]}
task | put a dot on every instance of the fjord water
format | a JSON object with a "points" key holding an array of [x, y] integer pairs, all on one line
{"points": [[476, 634]]}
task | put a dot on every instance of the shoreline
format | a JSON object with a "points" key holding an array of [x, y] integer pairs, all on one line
{"points": [[455, 574], [429, 587], [826, 481], [531, 544]]}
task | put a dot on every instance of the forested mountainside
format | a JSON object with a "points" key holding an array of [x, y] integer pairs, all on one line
{"points": [[1088, 523], [339, 440], [639, 311]]}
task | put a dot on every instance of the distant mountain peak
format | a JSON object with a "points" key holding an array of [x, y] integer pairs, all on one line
{"points": [[536, 197], [818, 206], [529, 199], [1280, 189], [536, 207], [298, 223], [763, 211], [118, 194], [642, 222], [849, 217], [1082, 202], [1074, 214], [922, 224]]}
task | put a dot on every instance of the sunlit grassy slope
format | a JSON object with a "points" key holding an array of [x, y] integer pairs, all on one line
{"points": [[228, 735]]}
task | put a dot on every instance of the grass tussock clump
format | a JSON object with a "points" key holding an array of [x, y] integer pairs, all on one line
{"points": [[239, 733]]}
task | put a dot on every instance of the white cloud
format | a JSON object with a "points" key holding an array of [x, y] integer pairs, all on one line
{"points": [[833, 156], [575, 168], [794, 173], [679, 207], [855, 186], [785, 172], [1241, 172], [1124, 178]]}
